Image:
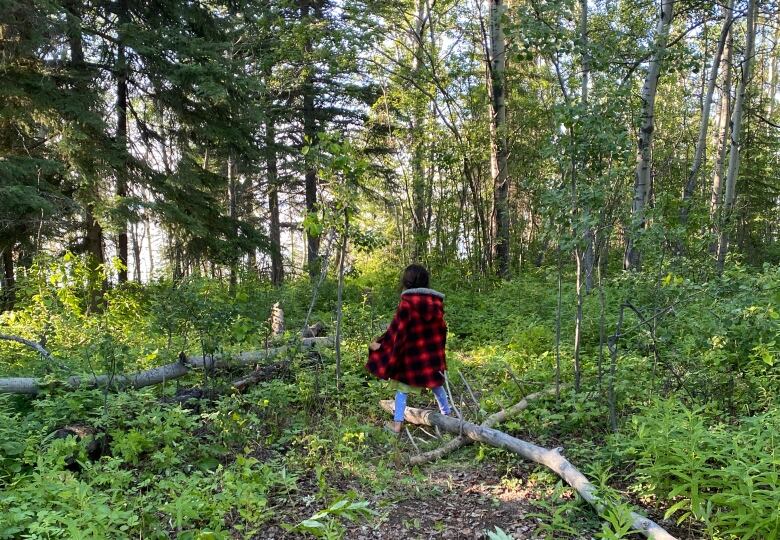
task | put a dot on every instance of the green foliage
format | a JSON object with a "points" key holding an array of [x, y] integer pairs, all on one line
{"points": [[378, 111], [325, 524], [498, 534], [561, 512], [723, 475], [159, 464], [233, 467]]}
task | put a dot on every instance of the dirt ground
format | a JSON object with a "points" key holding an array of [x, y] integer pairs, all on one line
{"points": [[457, 502], [463, 500], [465, 505]]}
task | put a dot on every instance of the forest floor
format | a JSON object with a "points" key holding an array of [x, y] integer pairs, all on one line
{"points": [[462, 500], [453, 498], [296, 450], [464, 497], [459, 502]]}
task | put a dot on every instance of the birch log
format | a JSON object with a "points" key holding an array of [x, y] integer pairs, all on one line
{"points": [[28, 343], [157, 375], [490, 421], [552, 459]]}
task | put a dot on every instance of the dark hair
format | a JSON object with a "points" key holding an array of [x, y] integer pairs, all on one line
{"points": [[415, 276]]}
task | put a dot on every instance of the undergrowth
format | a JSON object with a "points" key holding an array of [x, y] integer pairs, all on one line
{"points": [[695, 395]]}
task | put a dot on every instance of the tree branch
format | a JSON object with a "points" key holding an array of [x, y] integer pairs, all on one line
{"points": [[33, 345]]}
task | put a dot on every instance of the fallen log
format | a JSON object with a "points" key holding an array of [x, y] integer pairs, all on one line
{"points": [[490, 421], [150, 377], [551, 458], [271, 371]]}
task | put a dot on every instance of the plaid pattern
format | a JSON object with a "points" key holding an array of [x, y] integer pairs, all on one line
{"points": [[412, 349]]}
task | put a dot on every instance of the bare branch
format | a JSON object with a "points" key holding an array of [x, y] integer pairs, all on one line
{"points": [[29, 343]]}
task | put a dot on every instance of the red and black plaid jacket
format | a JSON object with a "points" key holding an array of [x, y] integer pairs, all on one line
{"points": [[412, 349]]}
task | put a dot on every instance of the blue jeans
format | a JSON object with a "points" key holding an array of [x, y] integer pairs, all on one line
{"points": [[400, 403]]}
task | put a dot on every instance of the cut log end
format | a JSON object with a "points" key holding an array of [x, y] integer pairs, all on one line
{"points": [[315, 330]]}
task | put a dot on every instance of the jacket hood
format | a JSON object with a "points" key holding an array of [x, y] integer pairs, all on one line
{"points": [[423, 290], [425, 303]]}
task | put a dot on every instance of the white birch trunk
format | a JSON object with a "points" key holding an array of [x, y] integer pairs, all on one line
{"points": [[645, 142], [724, 111], [701, 143], [736, 128], [588, 254], [417, 130], [498, 139], [157, 375]]}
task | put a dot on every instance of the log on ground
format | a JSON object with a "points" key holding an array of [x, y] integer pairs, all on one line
{"points": [[490, 421], [276, 370], [551, 458], [157, 375]]}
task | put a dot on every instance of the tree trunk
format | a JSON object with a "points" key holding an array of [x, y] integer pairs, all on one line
{"points": [[481, 230], [578, 320], [550, 458], [277, 265], [339, 296], [645, 142], [701, 143], [588, 255], [736, 128], [157, 375], [9, 281], [121, 135], [774, 66], [583, 256], [558, 306], [233, 212], [137, 243], [150, 250], [93, 241], [498, 138], [95, 259], [419, 229], [310, 137], [418, 205], [724, 113]]}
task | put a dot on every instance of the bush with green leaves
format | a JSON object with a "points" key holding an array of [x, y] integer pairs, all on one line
{"points": [[325, 523], [723, 475]]}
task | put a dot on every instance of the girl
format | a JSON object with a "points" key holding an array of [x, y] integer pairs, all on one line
{"points": [[411, 352]]}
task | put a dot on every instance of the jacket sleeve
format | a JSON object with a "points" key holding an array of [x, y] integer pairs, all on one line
{"points": [[384, 362], [393, 339]]}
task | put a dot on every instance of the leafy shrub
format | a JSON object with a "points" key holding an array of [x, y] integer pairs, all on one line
{"points": [[725, 476]]}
